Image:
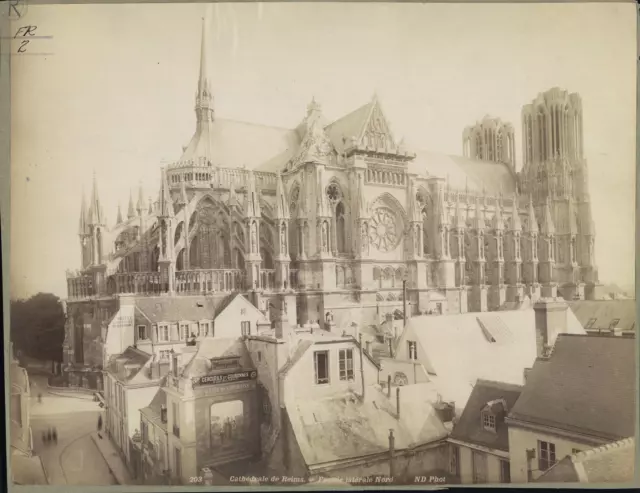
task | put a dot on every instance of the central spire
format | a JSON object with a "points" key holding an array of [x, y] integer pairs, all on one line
{"points": [[204, 83], [201, 145]]}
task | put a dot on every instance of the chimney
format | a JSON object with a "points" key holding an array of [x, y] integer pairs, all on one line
{"points": [[398, 401], [163, 414], [164, 367], [391, 347], [617, 331], [174, 364], [389, 386], [550, 320], [392, 442], [404, 302], [361, 366]]}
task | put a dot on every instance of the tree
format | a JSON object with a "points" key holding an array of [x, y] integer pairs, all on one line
{"points": [[37, 326]]}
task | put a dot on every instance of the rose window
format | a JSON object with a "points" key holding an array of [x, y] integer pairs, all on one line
{"points": [[384, 230], [333, 192]]}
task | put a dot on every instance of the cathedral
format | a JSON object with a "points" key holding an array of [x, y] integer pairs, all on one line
{"points": [[332, 220]]}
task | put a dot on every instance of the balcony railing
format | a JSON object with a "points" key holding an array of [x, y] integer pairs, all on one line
{"points": [[211, 280], [80, 286], [267, 279]]}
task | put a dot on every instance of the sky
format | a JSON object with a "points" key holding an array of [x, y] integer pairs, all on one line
{"points": [[113, 93]]}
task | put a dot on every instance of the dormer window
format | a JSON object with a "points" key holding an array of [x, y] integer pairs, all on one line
{"points": [[204, 329], [142, 332], [163, 333], [184, 332], [590, 323], [488, 421]]}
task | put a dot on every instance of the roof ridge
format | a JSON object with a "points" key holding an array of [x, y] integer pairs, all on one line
{"points": [[499, 385], [585, 454]]}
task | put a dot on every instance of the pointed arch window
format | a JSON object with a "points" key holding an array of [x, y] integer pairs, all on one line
{"points": [[341, 232]]}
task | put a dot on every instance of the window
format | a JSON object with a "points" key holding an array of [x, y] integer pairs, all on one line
{"points": [[488, 421], [163, 333], [321, 359], [165, 354], [614, 323], [176, 419], [345, 362], [479, 461], [505, 471], [259, 355], [204, 329], [243, 311], [546, 455], [245, 328], [590, 323], [142, 332], [184, 332], [454, 460], [575, 450], [413, 352]]}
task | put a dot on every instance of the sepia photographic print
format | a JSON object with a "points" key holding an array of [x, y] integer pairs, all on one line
{"points": [[330, 245]]}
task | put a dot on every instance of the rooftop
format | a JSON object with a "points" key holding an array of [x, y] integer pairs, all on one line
{"points": [[345, 427], [495, 346], [470, 429], [177, 308], [602, 314], [210, 348], [128, 366], [610, 463], [586, 386]]}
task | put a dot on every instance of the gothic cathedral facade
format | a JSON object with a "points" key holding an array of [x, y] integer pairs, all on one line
{"points": [[329, 219]]}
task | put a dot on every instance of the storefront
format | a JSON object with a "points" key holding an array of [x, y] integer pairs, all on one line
{"points": [[228, 417]]}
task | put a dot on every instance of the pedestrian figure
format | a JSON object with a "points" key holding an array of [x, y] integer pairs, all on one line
{"points": [[55, 436], [44, 438], [100, 426], [49, 435], [39, 398]]}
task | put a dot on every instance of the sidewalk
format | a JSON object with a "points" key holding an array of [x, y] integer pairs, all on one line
{"points": [[112, 458]]}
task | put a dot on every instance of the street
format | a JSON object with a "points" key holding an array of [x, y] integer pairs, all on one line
{"points": [[74, 459]]}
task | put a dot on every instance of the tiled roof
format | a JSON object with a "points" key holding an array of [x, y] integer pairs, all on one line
{"points": [[470, 429], [213, 347], [177, 308], [586, 386], [128, 366], [225, 303], [345, 427], [468, 337], [350, 125], [224, 143], [602, 313], [152, 411], [610, 463]]}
